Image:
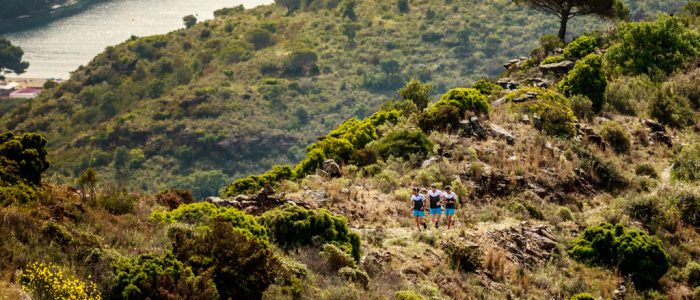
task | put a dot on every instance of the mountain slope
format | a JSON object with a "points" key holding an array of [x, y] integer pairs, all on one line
{"points": [[250, 88]]}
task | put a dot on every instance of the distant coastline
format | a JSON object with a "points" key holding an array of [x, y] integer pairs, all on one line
{"points": [[42, 17]]}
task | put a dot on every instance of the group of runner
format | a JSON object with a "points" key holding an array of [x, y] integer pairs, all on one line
{"points": [[436, 199]]}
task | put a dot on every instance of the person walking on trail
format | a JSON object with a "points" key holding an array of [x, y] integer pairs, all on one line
{"points": [[418, 208], [450, 199], [435, 197]]}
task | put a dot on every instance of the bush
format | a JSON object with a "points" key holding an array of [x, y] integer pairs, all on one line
{"points": [[617, 136], [587, 79], [259, 38], [627, 95], [336, 258], [148, 276], [25, 155], [686, 166], [301, 62], [671, 108], [582, 296], [553, 59], [646, 169], [466, 99], [253, 184], [241, 266], [403, 143], [291, 225], [441, 118], [604, 172], [48, 282], [688, 204], [582, 107], [646, 210], [236, 51], [408, 295], [465, 257], [692, 274], [580, 47], [632, 252], [204, 212], [118, 203], [486, 87], [652, 47], [557, 118], [416, 92], [174, 198], [354, 275]]}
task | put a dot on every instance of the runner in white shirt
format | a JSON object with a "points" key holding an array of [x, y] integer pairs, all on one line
{"points": [[435, 197], [450, 199]]}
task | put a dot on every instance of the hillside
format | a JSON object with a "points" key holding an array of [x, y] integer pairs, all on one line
{"points": [[248, 90], [579, 180]]}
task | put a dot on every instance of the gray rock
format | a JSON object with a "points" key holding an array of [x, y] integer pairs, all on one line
{"points": [[499, 101], [478, 129], [331, 168], [430, 161], [502, 133], [559, 68], [525, 119], [662, 137], [654, 126], [526, 97], [507, 84]]}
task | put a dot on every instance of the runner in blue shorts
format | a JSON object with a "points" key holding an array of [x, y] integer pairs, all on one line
{"points": [[418, 208], [435, 209], [450, 205]]}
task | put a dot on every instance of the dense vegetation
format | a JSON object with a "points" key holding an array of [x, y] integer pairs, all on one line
{"points": [[250, 89], [553, 205]]}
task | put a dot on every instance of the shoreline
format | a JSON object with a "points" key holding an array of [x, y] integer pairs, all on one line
{"points": [[45, 16]]}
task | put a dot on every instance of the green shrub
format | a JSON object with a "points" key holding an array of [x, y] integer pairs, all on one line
{"points": [[688, 204], [692, 274], [302, 61], [565, 214], [149, 276], [308, 166], [646, 210], [441, 118], [203, 212], [259, 38], [466, 99], [240, 265], [253, 184], [118, 203], [26, 154], [686, 166], [580, 47], [671, 108], [236, 51], [466, 257], [408, 295], [587, 79], [354, 275], [403, 143], [582, 107], [616, 136], [604, 172], [582, 296], [651, 47], [553, 59], [291, 225], [417, 92], [632, 252], [627, 95], [20, 193], [336, 258], [486, 87], [646, 169], [557, 118]]}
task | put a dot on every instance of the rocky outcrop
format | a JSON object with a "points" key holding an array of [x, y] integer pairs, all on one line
{"points": [[502, 133], [257, 204], [559, 68], [527, 245], [473, 127], [658, 132], [331, 168], [508, 84]]}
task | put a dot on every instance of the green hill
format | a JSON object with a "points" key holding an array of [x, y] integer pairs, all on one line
{"points": [[251, 88]]}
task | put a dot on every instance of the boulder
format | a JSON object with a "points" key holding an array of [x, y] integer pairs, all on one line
{"points": [[525, 119], [596, 139], [478, 129], [430, 161], [331, 168], [559, 68], [526, 97], [662, 137], [502, 133], [507, 84], [654, 126]]}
